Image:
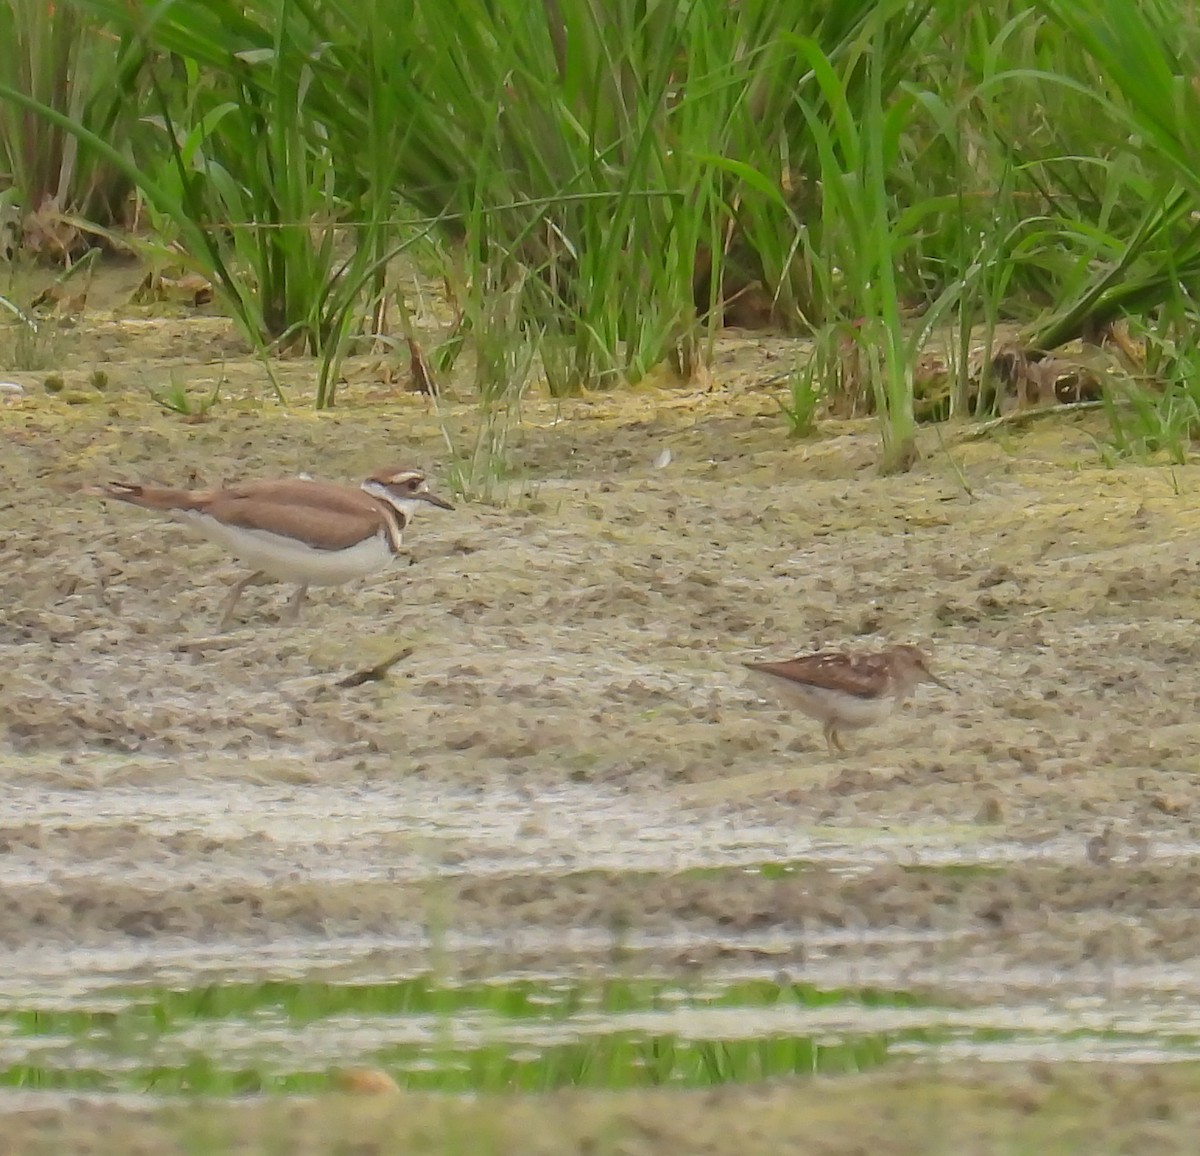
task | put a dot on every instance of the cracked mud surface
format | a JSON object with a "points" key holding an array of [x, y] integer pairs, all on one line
{"points": [[569, 756]]}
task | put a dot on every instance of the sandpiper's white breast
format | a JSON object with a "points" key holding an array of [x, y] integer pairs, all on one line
{"points": [[288, 560], [849, 710]]}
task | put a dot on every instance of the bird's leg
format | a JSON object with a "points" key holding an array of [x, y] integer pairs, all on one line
{"points": [[231, 602], [832, 737], [292, 613]]}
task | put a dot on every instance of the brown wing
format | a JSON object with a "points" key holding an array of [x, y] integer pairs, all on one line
{"points": [[299, 491], [865, 675], [259, 508]]}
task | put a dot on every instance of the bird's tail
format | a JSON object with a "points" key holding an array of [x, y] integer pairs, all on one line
{"points": [[150, 497]]}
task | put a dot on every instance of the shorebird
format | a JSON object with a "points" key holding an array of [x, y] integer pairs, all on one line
{"points": [[845, 691], [295, 530]]}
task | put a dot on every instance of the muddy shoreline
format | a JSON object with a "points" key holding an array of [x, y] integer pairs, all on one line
{"points": [[570, 757]]}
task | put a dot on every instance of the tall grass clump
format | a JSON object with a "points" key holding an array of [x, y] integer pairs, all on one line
{"points": [[1149, 56], [998, 182], [610, 158], [58, 56], [609, 147], [1146, 264], [602, 179], [281, 132], [506, 356]]}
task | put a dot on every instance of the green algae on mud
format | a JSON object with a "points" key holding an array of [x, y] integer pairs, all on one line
{"points": [[509, 1034], [490, 1037]]}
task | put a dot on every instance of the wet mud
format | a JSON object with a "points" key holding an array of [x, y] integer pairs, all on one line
{"points": [[569, 760]]}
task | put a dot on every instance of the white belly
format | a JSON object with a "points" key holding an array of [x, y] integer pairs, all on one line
{"points": [[848, 710], [287, 560]]}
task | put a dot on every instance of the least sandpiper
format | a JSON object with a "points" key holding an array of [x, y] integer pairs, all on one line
{"points": [[845, 691]]}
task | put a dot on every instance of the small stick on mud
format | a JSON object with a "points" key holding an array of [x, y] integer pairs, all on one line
{"points": [[375, 673], [1019, 417], [208, 642]]}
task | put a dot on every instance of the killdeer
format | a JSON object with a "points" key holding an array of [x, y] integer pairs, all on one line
{"points": [[295, 530], [845, 691]]}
